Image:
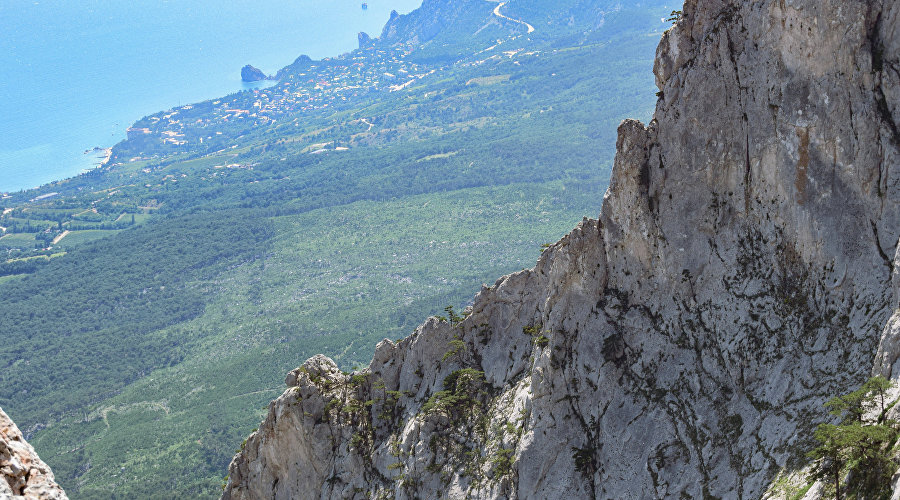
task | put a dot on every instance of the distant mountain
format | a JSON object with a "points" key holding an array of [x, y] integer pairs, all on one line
{"points": [[434, 18]]}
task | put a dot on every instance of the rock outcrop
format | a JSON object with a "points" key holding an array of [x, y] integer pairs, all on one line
{"points": [[683, 343], [22, 473], [365, 41], [252, 74]]}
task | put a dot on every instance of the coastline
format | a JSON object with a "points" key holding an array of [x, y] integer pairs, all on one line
{"points": [[44, 144], [104, 158]]}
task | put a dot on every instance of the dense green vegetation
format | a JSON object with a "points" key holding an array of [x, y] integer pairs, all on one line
{"points": [[856, 456], [151, 308], [113, 295]]}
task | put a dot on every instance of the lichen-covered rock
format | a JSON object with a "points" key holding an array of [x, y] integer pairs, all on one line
{"points": [[22, 473], [681, 345]]}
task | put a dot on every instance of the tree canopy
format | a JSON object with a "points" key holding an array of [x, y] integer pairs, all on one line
{"points": [[856, 456]]}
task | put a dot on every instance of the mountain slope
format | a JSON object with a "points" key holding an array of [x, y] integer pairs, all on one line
{"points": [[322, 223], [682, 344]]}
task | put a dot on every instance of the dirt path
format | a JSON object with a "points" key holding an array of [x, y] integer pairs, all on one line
{"points": [[60, 237], [247, 394], [104, 412], [501, 16]]}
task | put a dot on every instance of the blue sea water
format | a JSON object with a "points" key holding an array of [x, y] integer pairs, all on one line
{"points": [[77, 73]]}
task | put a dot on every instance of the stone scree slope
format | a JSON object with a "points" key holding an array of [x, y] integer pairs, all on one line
{"points": [[683, 344], [22, 473]]}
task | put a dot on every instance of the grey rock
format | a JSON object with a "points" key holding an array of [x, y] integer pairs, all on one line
{"points": [[683, 343], [252, 74], [365, 41], [22, 473]]}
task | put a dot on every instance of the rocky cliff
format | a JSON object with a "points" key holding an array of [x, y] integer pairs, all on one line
{"points": [[22, 473], [683, 343], [252, 74]]}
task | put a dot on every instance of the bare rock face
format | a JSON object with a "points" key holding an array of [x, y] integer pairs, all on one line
{"points": [[681, 345], [22, 473]]}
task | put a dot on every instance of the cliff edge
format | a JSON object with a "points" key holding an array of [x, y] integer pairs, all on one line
{"points": [[682, 344], [22, 473]]}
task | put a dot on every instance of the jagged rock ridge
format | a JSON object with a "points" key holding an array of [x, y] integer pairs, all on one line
{"points": [[22, 473], [682, 344]]}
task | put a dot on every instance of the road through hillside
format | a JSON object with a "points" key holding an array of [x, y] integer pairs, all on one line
{"points": [[501, 16]]}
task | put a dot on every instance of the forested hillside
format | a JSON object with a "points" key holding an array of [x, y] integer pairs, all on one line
{"points": [[150, 309]]}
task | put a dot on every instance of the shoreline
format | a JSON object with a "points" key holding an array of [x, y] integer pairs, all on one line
{"points": [[31, 171], [104, 159]]}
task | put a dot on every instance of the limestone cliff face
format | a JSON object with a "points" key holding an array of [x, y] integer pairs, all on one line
{"points": [[739, 274], [22, 473]]}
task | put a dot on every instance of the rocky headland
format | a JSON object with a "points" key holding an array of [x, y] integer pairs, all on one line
{"points": [[252, 74]]}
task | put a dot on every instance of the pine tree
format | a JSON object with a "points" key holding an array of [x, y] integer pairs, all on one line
{"points": [[859, 448]]}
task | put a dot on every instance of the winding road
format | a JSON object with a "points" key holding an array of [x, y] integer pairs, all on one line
{"points": [[501, 16]]}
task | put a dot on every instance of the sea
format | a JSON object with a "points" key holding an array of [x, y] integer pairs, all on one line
{"points": [[75, 74]]}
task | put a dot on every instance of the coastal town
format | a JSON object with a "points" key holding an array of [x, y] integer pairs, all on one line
{"points": [[44, 227], [307, 106], [306, 86]]}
